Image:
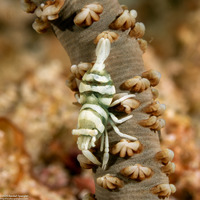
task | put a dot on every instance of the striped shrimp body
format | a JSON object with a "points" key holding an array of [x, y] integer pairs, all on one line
{"points": [[96, 94]]}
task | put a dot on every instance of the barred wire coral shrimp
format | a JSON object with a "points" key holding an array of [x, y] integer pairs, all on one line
{"points": [[96, 94]]}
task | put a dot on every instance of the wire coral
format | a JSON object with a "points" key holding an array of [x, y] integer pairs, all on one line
{"points": [[153, 123], [124, 103], [88, 14], [138, 30], [45, 12], [123, 59], [164, 190], [112, 36], [126, 148], [28, 6], [136, 84], [110, 182], [125, 21], [165, 156], [155, 108], [136, 172]]}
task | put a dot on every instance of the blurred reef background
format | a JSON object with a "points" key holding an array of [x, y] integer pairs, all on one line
{"points": [[37, 151]]}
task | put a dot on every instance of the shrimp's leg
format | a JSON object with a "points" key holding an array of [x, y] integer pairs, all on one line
{"points": [[120, 133], [90, 156], [119, 121], [114, 103], [106, 152]]}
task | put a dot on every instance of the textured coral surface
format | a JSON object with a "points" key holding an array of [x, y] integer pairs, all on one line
{"points": [[38, 153]]}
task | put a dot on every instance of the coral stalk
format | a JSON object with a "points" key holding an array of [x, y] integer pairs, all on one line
{"points": [[125, 62]]}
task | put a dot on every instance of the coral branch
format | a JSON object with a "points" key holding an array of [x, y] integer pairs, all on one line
{"points": [[137, 172], [88, 14], [126, 148], [125, 66], [110, 182]]}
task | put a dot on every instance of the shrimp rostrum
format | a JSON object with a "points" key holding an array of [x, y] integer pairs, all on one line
{"points": [[96, 94]]}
